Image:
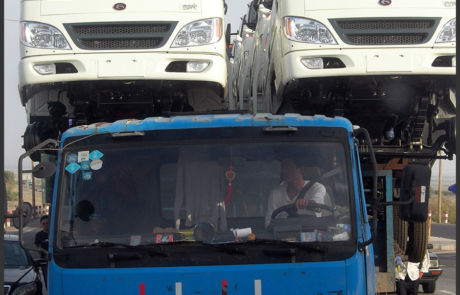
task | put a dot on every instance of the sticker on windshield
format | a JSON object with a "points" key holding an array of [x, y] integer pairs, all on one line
{"points": [[95, 155], [72, 168], [164, 238], [87, 175], [83, 156], [96, 164], [85, 165], [72, 158], [308, 236]]}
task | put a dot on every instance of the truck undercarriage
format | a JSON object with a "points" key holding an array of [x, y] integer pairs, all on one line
{"points": [[53, 108], [407, 116]]}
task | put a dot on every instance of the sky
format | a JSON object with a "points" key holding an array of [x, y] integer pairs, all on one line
{"points": [[15, 116]]}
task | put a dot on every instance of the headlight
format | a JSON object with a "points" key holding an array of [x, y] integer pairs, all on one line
{"points": [[43, 36], [26, 289], [200, 32], [448, 33], [307, 30]]}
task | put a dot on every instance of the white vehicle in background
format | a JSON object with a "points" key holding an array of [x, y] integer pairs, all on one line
{"points": [[260, 51], [85, 61], [244, 43], [386, 65], [235, 58]]}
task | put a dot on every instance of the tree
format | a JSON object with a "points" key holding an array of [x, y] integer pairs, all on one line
{"points": [[10, 184]]}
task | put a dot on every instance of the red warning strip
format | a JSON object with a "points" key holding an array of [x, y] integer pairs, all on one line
{"points": [[142, 289]]}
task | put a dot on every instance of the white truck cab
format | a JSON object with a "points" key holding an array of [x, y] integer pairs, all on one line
{"points": [[84, 61], [387, 65]]}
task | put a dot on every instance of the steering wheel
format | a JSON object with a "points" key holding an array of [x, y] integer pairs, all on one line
{"points": [[292, 210]]}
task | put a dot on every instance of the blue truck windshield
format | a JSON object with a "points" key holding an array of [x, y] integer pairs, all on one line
{"points": [[235, 193]]}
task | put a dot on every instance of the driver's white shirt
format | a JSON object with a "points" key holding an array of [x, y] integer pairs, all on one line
{"points": [[279, 197]]}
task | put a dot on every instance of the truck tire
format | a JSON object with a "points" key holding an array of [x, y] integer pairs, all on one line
{"points": [[418, 240], [429, 287], [400, 229]]}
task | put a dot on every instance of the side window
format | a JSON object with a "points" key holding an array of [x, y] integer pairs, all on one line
{"points": [[252, 16], [268, 3]]}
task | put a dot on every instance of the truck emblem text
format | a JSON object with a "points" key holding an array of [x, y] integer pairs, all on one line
{"points": [[119, 6], [189, 6], [385, 2]]}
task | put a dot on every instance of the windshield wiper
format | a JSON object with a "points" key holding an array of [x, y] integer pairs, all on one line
{"points": [[230, 248], [148, 248], [293, 245], [290, 249]]}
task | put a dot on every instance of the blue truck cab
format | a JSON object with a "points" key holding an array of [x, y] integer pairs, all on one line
{"points": [[184, 205]]}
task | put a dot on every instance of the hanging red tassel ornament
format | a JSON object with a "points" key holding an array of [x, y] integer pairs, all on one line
{"points": [[229, 175]]}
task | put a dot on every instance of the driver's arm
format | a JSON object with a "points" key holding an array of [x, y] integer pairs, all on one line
{"points": [[317, 194]]}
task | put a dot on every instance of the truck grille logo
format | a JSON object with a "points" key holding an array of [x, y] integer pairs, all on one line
{"points": [[385, 2], [189, 6], [119, 6]]}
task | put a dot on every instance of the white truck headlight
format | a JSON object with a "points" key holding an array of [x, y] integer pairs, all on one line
{"points": [[448, 33], [307, 30], [39, 35], [200, 32]]}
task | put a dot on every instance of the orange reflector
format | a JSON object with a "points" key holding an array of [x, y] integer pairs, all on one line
{"points": [[219, 29], [436, 272]]}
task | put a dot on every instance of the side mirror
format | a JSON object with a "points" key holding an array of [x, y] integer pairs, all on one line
{"points": [[264, 11], [228, 41], [228, 32], [415, 191], [44, 170], [26, 212]]}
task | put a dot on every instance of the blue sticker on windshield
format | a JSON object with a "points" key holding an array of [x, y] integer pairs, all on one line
{"points": [[85, 165], [72, 158], [86, 175], [72, 168], [95, 155]]}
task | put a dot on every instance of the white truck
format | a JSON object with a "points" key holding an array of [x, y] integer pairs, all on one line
{"points": [[242, 58], [86, 61], [386, 65]]}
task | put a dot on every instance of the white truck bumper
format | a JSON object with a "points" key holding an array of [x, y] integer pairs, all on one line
{"points": [[367, 62], [126, 66]]}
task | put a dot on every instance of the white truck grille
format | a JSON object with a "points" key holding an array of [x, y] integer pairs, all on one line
{"points": [[113, 36], [385, 31]]}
